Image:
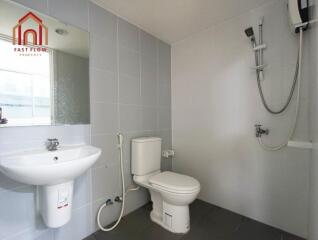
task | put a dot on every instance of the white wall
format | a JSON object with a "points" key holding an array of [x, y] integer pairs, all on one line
{"points": [[215, 104], [313, 61]]}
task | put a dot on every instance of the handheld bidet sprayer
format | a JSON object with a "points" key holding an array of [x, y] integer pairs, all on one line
{"points": [[120, 140]]}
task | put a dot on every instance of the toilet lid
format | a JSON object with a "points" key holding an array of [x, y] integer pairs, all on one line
{"points": [[175, 182]]}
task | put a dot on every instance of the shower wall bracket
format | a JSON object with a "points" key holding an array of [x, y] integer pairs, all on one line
{"points": [[260, 67], [260, 47]]}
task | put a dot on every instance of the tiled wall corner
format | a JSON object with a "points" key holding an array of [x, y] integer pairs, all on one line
{"points": [[129, 93]]}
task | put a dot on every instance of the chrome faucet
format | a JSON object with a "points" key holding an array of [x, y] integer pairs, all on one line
{"points": [[259, 131], [52, 144]]}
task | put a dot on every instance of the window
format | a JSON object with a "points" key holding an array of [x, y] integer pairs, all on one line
{"points": [[25, 87]]}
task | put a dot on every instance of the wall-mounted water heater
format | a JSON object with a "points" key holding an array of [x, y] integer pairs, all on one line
{"points": [[298, 14]]}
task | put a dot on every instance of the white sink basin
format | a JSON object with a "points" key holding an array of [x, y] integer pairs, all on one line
{"points": [[41, 167], [54, 173]]}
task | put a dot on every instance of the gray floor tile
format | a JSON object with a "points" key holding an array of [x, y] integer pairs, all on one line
{"points": [[216, 223], [199, 209], [155, 232], [288, 236], [90, 238], [123, 231], [140, 219], [208, 222], [251, 230]]}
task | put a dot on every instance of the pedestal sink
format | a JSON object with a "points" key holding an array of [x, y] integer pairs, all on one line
{"points": [[54, 174]]}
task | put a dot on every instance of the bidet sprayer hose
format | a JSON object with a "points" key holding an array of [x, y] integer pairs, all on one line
{"points": [[120, 140], [297, 76], [120, 147]]}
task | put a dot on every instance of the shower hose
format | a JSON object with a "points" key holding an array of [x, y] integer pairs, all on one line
{"points": [[297, 76]]}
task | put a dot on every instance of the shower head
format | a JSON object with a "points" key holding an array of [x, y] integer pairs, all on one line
{"points": [[250, 34]]}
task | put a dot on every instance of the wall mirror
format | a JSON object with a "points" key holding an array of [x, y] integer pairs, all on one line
{"points": [[44, 69]]}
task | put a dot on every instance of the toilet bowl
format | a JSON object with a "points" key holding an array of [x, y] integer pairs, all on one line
{"points": [[171, 193]]}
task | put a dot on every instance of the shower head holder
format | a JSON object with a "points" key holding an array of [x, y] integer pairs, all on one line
{"points": [[260, 47]]}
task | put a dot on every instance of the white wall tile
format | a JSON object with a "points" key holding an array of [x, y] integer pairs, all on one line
{"points": [[38, 5], [163, 118], [128, 35], [129, 62], [148, 81], [215, 104], [129, 89], [106, 182], [130, 118], [17, 211], [163, 94], [103, 53], [72, 11], [147, 44], [103, 24], [108, 144], [103, 86], [164, 74], [82, 190], [136, 199], [34, 233], [104, 118], [164, 61], [149, 119], [8, 184]]}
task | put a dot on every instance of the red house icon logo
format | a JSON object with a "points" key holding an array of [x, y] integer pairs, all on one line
{"points": [[21, 37]]}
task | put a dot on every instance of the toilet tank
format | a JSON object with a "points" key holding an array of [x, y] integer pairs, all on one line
{"points": [[145, 155]]}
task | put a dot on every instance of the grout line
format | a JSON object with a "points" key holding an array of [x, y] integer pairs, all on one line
{"points": [[47, 7], [131, 132], [14, 235], [91, 68], [81, 207], [140, 66], [129, 49], [157, 82], [116, 13], [137, 105], [101, 69], [118, 70], [102, 102], [20, 187]]}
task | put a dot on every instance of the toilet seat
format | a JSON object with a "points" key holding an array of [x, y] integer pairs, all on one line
{"points": [[174, 183]]}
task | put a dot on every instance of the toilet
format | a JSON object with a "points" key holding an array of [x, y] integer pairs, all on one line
{"points": [[171, 193]]}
